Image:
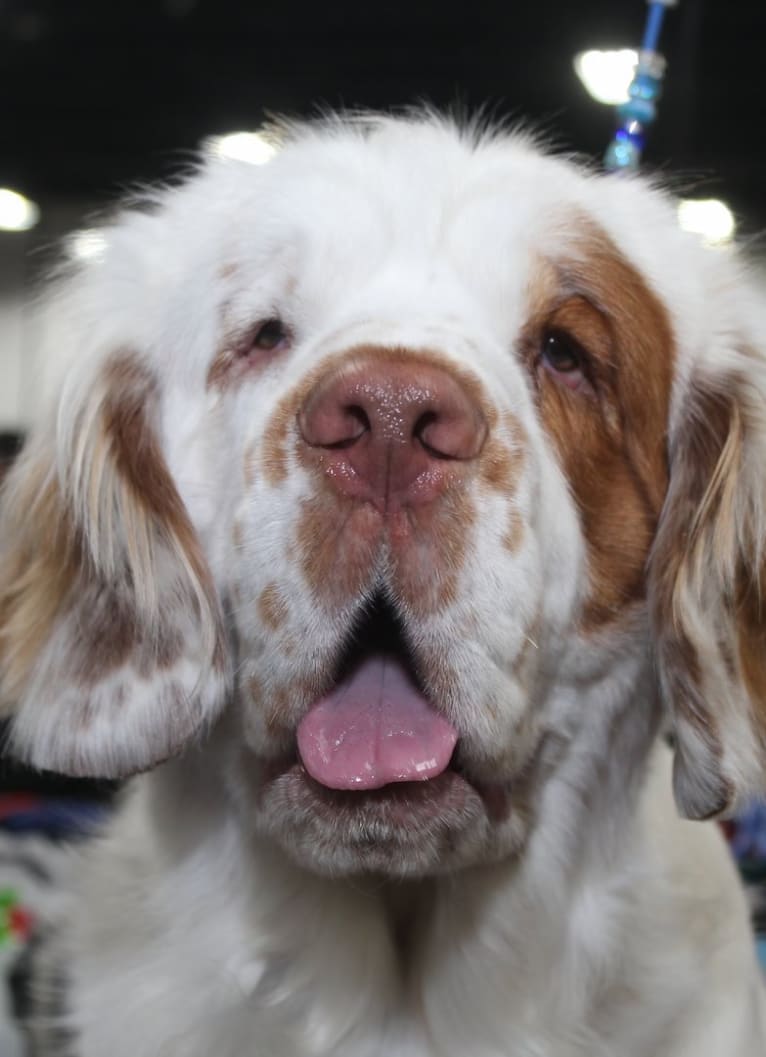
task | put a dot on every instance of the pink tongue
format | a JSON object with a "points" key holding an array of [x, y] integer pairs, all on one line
{"points": [[374, 728]]}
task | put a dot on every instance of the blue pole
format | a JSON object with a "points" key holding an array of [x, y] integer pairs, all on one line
{"points": [[640, 110], [653, 27]]}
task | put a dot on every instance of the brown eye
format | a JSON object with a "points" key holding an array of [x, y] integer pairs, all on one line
{"points": [[565, 359], [562, 353], [271, 335]]}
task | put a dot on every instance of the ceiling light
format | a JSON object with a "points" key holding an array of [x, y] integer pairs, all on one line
{"points": [[251, 147], [17, 213], [708, 217], [87, 244], [607, 74]]}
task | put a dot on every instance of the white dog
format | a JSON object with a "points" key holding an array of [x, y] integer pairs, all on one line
{"points": [[389, 492]]}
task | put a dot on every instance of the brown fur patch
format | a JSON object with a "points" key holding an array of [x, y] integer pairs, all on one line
{"points": [[514, 534], [338, 544], [427, 569], [220, 369], [41, 560], [102, 618], [611, 436], [500, 467], [273, 608], [143, 474], [275, 441], [279, 708]]}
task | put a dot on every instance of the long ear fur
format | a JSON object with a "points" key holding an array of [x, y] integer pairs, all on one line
{"points": [[707, 582], [111, 637]]}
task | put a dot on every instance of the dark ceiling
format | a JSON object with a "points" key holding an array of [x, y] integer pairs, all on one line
{"points": [[101, 94]]}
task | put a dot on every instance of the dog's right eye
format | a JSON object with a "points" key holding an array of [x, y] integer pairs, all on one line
{"points": [[563, 357], [271, 336]]}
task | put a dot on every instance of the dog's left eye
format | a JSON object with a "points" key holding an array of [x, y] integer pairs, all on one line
{"points": [[563, 357], [271, 335]]}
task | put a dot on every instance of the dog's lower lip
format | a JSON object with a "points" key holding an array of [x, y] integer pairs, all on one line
{"points": [[400, 806], [496, 796]]}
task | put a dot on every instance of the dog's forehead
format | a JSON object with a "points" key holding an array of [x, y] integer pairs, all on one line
{"points": [[406, 223], [420, 230], [358, 200]]}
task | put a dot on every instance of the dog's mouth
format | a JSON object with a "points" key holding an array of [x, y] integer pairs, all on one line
{"points": [[379, 784], [376, 725]]}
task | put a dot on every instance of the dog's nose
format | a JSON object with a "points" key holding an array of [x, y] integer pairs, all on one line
{"points": [[394, 433]]}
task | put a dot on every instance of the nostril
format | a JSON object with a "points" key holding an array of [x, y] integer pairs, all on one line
{"points": [[332, 424], [426, 432], [452, 432], [353, 423]]}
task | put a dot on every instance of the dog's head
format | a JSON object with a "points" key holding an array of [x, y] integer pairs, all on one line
{"points": [[401, 449]]}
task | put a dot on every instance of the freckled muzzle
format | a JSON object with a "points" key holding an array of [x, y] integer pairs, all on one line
{"points": [[391, 433], [402, 447]]}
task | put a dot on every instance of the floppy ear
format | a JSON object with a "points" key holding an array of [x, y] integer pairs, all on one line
{"points": [[708, 586], [111, 638]]}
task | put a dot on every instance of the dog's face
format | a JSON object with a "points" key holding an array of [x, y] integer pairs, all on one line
{"points": [[421, 404], [370, 447]]}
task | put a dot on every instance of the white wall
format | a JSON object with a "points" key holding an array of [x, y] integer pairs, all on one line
{"points": [[14, 249], [13, 415], [23, 258]]}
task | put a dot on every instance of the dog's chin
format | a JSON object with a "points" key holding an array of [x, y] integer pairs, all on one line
{"points": [[408, 829]]}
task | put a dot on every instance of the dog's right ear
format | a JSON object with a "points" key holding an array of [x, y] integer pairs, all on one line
{"points": [[708, 582], [112, 648]]}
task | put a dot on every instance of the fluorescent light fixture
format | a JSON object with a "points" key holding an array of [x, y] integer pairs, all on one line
{"points": [[607, 74], [17, 213], [251, 147], [708, 217], [87, 244]]}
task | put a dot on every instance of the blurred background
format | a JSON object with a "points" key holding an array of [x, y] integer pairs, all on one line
{"points": [[101, 96]]}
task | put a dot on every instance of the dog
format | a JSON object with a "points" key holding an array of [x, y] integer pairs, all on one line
{"points": [[388, 498]]}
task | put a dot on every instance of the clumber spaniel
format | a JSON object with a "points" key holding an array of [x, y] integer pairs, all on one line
{"points": [[387, 495]]}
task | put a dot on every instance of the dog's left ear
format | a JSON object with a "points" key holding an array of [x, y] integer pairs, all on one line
{"points": [[111, 635], [708, 580]]}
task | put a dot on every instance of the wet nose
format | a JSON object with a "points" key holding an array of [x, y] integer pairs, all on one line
{"points": [[392, 433]]}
